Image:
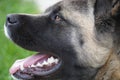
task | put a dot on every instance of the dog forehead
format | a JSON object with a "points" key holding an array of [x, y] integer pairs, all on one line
{"points": [[79, 9], [78, 4]]}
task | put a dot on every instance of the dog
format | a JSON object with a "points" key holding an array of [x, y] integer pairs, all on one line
{"points": [[75, 40]]}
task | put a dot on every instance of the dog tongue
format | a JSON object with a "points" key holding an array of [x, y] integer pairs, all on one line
{"points": [[27, 62]]}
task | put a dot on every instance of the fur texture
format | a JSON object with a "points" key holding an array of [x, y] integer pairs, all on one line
{"points": [[85, 35]]}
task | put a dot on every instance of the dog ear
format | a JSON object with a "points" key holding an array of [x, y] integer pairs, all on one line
{"points": [[103, 7], [107, 7], [115, 8]]}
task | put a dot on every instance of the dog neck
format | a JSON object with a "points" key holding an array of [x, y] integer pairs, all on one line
{"points": [[111, 69]]}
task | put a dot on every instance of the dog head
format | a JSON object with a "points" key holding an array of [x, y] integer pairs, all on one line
{"points": [[74, 38]]}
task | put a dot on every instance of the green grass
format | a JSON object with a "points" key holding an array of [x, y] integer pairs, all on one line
{"points": [[9, 52]]}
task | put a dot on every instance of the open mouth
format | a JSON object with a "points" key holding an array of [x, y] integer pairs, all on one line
{"points": [[37, 65]]}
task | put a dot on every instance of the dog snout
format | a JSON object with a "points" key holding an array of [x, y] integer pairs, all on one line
{"points": [[12, 19]]}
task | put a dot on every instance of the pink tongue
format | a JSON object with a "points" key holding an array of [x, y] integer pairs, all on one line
{"points": [[27, 62]]}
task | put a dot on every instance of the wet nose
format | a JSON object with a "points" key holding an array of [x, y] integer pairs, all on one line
{"points": [[12, 19]]}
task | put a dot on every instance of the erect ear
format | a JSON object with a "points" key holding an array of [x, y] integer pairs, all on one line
{"points": [[102, 7], [115, 8], [105, 7]]}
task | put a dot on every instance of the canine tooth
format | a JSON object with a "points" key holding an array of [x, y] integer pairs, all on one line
{"points": [[21, 67], [50, 60], [39, 65], [44, 63], [33, 65], [56, 61]]}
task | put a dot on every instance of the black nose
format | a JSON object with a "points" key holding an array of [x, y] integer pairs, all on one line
{"points": [[12, 19]]}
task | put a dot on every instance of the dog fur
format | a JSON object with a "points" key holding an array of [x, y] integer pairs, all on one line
{"points": [[85, 36]]}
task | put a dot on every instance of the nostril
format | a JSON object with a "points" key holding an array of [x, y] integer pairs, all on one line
{"points": [[12, 19]]}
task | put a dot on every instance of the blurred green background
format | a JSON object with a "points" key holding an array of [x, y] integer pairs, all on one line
{"points": [[9, 52]]}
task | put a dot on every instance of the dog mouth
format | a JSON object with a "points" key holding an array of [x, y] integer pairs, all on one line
{"points": [[36, 65]]}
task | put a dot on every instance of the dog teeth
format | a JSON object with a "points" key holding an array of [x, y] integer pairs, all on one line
{"points": [[48, 62], [45, 63], [33, 65], [21, 67], [39, 65], [56, 61]]}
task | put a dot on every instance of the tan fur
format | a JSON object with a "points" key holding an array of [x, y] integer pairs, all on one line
{"points": [[85, 20], [115, 9], [97, 55], [111, 70]]}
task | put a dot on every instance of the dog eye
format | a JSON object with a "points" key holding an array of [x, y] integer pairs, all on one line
{"points": [[57, 18]]}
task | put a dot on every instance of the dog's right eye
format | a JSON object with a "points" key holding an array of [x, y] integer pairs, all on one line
{"points": [[56, 18]]}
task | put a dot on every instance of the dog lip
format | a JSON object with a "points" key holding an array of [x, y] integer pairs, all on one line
{"points": [[26, 62], [7, 32], [30, 62], [16, 66]]}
